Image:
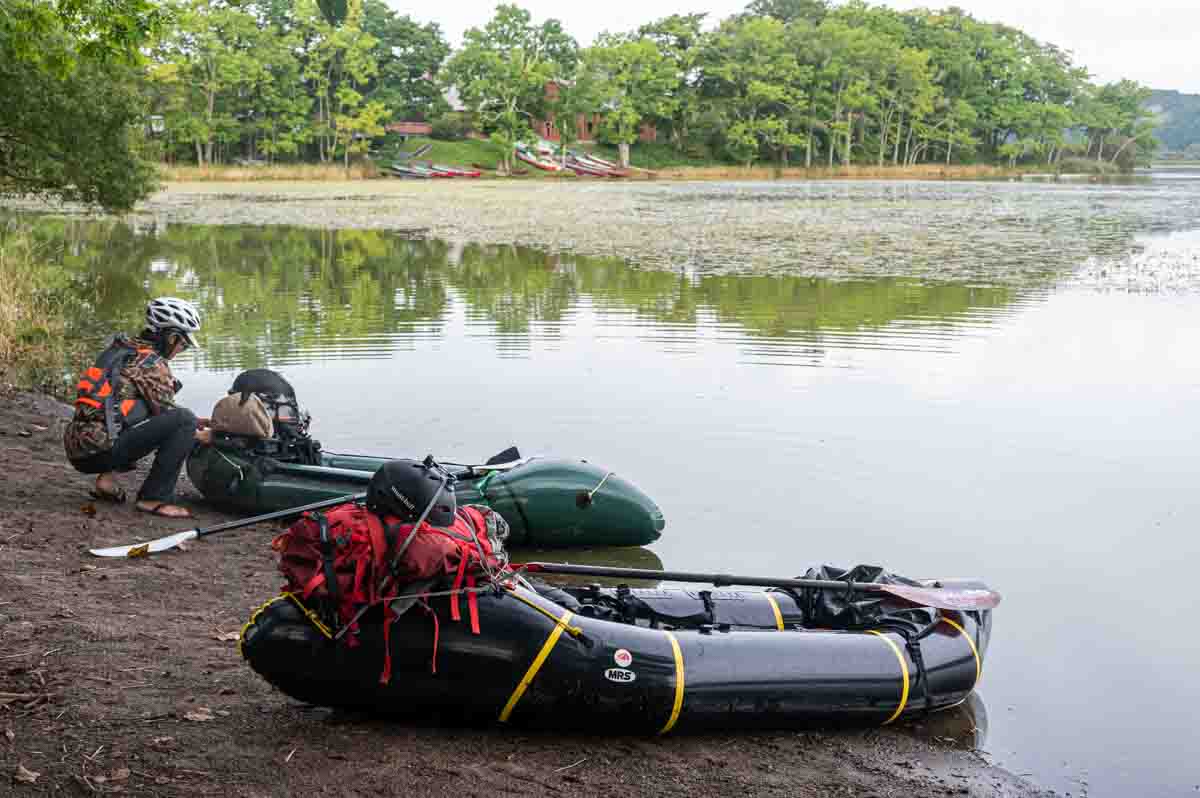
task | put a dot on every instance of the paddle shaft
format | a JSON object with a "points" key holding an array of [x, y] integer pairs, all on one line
{"points": [[258, 519], [719, 580], [944, 597]]}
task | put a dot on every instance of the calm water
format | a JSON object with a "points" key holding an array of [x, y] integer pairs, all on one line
{"points": [[1039, 431]]}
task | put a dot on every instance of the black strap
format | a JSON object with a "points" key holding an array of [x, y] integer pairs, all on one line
{"points": [[327, 555]]}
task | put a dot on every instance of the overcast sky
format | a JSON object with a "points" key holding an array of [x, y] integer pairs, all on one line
{"points": [[1156, 42]]}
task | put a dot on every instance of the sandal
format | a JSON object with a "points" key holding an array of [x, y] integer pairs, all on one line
{"points": [[157, 509], [104, 496]]}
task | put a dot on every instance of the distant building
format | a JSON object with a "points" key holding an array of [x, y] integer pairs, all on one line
{"points": [[586, 125], [409, 128]]}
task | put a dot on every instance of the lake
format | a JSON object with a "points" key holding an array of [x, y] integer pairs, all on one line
{"points": [[988, 379]]}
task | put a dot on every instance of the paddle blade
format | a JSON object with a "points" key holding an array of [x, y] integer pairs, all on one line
{"points": [[961, 599], [148, 548]]}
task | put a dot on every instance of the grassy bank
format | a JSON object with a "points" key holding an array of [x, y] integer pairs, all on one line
{"points": [[35, 348]]}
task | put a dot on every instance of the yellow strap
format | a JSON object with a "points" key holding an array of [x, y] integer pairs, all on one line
{"points": [[678, 704], [536, 665], [903, 672], [312, 616], [573, 631], [971, 643], [775, 609]]}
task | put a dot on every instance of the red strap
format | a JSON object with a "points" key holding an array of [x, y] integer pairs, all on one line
{"points": [[436, 631], [313, 584], [455, 613], [378, 544], [389, 616], [472, 605]]}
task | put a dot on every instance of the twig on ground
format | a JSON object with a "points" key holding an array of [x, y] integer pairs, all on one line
{"points": [[573, 764]]}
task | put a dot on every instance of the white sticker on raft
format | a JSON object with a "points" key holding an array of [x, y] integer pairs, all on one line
{"points": [[620, 675], [623, 658]]}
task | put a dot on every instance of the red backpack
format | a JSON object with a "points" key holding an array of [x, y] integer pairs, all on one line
{"points": [[343, 555]]}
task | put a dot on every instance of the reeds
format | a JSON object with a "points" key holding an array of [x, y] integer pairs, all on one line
{"points": [[853, 172], [33, 320], [359, 170]]}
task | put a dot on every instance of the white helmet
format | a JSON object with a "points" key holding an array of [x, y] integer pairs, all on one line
{"points": [[173, 315]]}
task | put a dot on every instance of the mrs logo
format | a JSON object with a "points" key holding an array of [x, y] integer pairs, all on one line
{"points": [[620, 675]]}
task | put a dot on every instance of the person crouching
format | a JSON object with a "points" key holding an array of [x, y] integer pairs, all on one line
{"points": [[125, 409]]}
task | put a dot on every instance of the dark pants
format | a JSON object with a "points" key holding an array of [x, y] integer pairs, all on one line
{"points": [[170, 433]]}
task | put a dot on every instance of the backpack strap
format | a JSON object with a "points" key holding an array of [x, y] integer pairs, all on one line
{"points": [[327, 556], [380, 544]]}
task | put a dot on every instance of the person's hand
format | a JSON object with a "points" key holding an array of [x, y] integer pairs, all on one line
{"points": [[203, 436]]}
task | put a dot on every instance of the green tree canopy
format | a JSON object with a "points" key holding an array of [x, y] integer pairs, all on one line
{"points": [[72, 120]]}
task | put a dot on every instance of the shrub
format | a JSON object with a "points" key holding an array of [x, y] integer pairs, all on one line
{"points": [[451, 127]]}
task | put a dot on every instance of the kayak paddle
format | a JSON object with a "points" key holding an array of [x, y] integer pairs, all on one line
{"points": [[171, 541], [931, 595]]}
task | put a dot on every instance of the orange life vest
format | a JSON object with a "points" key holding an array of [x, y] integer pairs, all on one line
{"points": [[99, 386]]}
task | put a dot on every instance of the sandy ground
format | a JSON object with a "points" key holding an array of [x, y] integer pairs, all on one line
{"points": [[122, 676]]}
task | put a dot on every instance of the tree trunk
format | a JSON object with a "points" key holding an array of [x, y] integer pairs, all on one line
{"points": [[808, 148], [899, 135], [623, 148], [949, 148], [199, 153], [849, 137], [1100, 150], [884, 123]]}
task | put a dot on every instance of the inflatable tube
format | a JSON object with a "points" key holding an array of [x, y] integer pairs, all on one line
{"points": [[539, 498], [677, 660]]}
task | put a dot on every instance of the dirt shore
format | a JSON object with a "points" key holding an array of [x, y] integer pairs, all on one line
{"points": [[123, 677]]}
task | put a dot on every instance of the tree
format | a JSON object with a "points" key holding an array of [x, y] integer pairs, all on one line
{"points": [[679, 39], [785, 11], [72, 122], [340, 63], [213, 58], [409, 56], [502, 70], [92, 30], [634, 81], [1117, 111], [751, 70], [571, 99]]}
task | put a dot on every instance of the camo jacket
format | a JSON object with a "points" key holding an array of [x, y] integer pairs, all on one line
{"points": [[147, 377]]}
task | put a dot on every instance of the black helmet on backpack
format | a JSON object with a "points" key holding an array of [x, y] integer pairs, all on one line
{"points": [[404, 488]]}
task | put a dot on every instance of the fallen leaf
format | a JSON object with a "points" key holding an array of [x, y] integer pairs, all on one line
{"points": [[160, 780], [39, 427], [25, 775], [10, 735], [163, 740], [120, 774], [88, 509], [139, 551], [228, 637], [226, 691], [199, 715], [224, 713]]}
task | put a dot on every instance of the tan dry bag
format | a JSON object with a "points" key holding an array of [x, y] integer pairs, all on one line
{"points": [[249, 417]]}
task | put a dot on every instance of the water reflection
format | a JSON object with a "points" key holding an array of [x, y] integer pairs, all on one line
{"points": [[284, 295]]}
